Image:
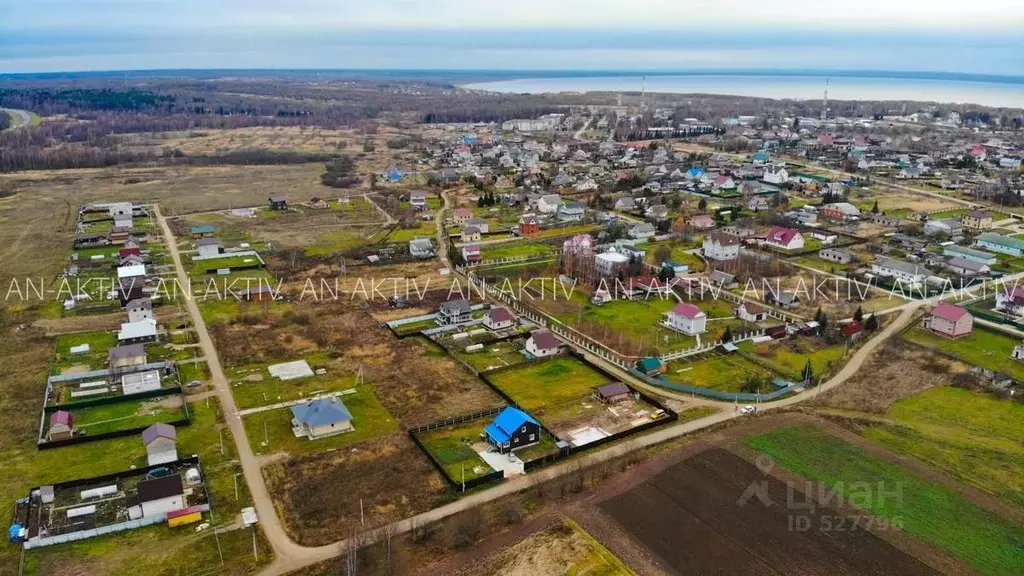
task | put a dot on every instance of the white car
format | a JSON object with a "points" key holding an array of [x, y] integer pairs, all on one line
{"points": [[748, 409]]}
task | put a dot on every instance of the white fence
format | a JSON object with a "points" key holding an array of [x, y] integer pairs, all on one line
{"points": [[102, 530]]}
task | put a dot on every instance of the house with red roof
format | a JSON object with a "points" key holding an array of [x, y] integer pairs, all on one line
{"points": [[461, 215], [826, 139], [61, 427], [784, 238], [686, 318], [499, 319], [724, 183], [542, 343], [949, 320], [852, 330], [750, 312], [471, 253], [1011, 301]]}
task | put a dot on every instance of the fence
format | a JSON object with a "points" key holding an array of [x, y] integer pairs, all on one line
{"points": [[457, 485], [708, 392]]}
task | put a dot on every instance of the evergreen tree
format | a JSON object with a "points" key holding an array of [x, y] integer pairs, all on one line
{"points": [[872, 323], [874, 209], [702, 205], [859, 314], [727, 335]]}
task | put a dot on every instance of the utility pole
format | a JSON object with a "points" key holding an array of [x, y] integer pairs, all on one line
{"points": [[236, 486], [266, 438]]}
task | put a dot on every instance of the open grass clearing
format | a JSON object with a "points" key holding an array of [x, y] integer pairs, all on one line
{"points": [[932, 513], [253, 386], [494, 355], [724, 372], [982, 347], [549, 383], [453, 448], [790, 356], [515, 249], [128, 414], [970, 435]]}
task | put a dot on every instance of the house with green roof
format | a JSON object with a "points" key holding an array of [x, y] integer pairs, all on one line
{"points": [[979, 256], [1002, 244], [651, 366]]}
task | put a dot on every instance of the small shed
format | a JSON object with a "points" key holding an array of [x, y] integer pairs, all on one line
{"points": [[161, 442], [61, 426], [277, 203], [614, 392]]}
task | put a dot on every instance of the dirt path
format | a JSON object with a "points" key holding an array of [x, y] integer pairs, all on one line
{"points": [[284, 549]]}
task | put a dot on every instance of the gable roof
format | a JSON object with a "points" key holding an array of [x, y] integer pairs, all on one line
{"points": [[499, 315], [544, 340], [507, 422], [143, 303], [126, 351], [61, 417], [613, 389], [949, 312], [687, 310], [649, 363], [459, 305], [159, 430], [1000, 240], [781, 235], [321, 412], [152, 489]]}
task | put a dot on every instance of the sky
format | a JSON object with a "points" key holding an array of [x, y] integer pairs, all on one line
{"points": [[982, 36]]}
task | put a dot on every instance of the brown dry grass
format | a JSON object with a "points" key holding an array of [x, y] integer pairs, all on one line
{"points": [[899, 371], [319, 495]]}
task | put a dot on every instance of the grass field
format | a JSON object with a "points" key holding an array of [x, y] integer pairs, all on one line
{"points": [[128, 414], [969, 435], [200, 267], [271, 431], [452, 448], [494, 355], [99, 343], [932, 513], [403, 235], [253, 386], [724, 372], [984, 348], [790, 356], [557, 381], [515, 249]]}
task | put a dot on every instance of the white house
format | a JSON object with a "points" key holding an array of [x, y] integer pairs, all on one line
{"points": [[572, 212], [161, 495], [750, 312], [321, 417], [498, 319], [902, 271], [776, 174], [686, 318], [721, 246], [549, 203], [141, 331], [542, 343], [208, 247], [480, 224], [785, 238], [418, 199], [161, 442], [608, 262], [421, 248], [139, 309], [642, 231]]}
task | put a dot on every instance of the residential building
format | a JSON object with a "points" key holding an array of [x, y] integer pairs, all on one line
{"points": [[61, 426], [461, 215], [979, 256], [949, 227], [1001, 244], [499, 319], [139, 309], [851, 330], [840, 211], [783, 298], [141, 331], [900, 270], [625, 204], [784, 238], [750, 312], [454, 312], [512, 429], [949, 320], [549, 203], [965, 267], [529, 225], [418, 200], [471, 253], [836, 255], [480, 224], [469, 234], [126, 356], [1011, 301], [208, 247], [702, 222], [759, 204], [609, 263], [161, 442], [612, 393], [776, 174], [161, 495], [579, 244], [976, 220], [642, 231], [277, 203], [321, 417], [571, 212], [651, 366], [686, 318], [542, 343], [719, 246], [421, 248]]}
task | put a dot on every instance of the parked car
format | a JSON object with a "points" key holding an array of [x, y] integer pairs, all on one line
{"points": [[748, 409]]}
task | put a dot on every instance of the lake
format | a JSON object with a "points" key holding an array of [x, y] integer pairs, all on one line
{"points": [[768, 86]]}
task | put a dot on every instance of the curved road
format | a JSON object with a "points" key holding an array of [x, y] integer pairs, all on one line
{"points": [[290, 556]]}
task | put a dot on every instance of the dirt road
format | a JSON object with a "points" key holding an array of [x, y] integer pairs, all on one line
{"points": [[284, 548], [19, 118]]}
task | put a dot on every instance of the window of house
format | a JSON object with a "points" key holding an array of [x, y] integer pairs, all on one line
{"points": [[532, 437], [516, 440]]}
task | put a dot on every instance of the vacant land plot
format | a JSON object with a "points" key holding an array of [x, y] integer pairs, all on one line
{"points": [[515, 249], [967, 434], [456, 448], [725, 372], [564, 548], [789, 357], [982, 347], [128, 414], [550, 383], [99, 342], [925, 510], [494, 355], [689, 518], [319, 495]]}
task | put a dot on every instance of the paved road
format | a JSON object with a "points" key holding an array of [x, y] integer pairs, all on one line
{"points": [[19, 118]]}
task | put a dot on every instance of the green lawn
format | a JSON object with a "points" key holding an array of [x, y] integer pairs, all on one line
{"points": [[494, 355], [548, 384], [337, 241], [599, 560], [403, 235], [970, 435], [201, 267], [416, 327], [190, 371], [726, 372], [984, 348], [271, 431], [679, 253], [452, 448], [125, 415], [515, 249], [564, 231], [790, 356], [932, 513]]}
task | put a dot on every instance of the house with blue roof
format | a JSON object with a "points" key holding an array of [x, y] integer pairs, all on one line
{"points": [[760, 157], [393, 173], [511, 430], [694, 173], [321, 417]]}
